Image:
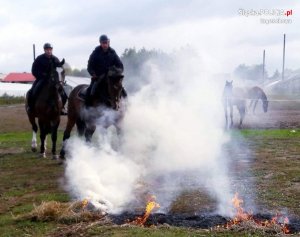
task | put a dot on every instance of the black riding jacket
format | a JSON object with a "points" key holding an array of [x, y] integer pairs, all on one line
{"points": [[43, 67], [100, 61]]}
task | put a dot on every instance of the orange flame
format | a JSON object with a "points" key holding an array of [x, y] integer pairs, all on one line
{"points": [[151, 204], [242, 215], [285, 228], [84, 203]]}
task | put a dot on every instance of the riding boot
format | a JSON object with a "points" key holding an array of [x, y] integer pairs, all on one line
{"points": [[124, 93], [89, 94], [64, 99], [33, 94], [30, 101], [88, 99]]}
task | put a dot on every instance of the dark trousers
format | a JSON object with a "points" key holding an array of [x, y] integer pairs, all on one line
{"points": [[89, 95], [34, 91]]}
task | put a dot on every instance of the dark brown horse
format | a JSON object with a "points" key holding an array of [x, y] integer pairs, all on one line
{"points": [[108, 96], [238, 97], [47, 110]]}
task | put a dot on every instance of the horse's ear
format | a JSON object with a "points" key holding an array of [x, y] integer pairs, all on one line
{"points": [[231, 81]]}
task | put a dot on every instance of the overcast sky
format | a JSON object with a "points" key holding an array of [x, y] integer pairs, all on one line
{"points": [[214, 29]]}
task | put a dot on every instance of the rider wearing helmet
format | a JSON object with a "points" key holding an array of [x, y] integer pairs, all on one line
{"points": [[102, 58], [43, 68]]}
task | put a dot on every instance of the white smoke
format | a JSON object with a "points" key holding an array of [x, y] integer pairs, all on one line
{"points": [[172, 131]]}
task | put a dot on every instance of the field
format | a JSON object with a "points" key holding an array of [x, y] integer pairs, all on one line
{"points": [[272, 142]]}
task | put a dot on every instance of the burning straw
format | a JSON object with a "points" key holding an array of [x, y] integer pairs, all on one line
{"points": [[246, 221], [70, 212], [151, 205]]}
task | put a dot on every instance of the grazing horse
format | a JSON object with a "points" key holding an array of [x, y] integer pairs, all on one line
{"points": [[255, 94], [107, 96], [47, 110], [238, 97]]}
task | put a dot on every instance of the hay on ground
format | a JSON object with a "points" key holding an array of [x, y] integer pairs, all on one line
{"points": [[62, 212]]}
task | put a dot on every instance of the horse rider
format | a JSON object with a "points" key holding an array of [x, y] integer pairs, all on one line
{"points": [[44, 68], [102, 58]]}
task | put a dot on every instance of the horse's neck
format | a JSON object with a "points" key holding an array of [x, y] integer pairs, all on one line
{"points": [[49, 91], [259, 94], [102, 92], [263, 96], [227, 93]]}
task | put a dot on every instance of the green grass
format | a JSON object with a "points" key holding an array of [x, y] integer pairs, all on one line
{"points": [[9, 100], [164, 232], [271, 133], [276, 166], [26, 180]]}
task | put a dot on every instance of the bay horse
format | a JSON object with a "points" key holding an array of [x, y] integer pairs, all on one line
{"points": [[238, 97], [47, 110], [107, 93]]}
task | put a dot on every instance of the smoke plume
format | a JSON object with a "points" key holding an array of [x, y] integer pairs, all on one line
{"points": [[171, 139]]}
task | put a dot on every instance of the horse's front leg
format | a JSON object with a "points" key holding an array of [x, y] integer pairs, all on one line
{"points": [[231, 116], [54, 139], [254, 107], [89, 132], [43, 138], [67, 134], [242, 112], [34, 132], [33, 142], [226, 116]]}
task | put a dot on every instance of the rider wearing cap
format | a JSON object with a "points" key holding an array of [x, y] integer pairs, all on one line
{"points": [[102, 58], [43, 68]]}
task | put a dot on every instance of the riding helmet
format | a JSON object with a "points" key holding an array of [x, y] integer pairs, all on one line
{"points": [[48, 46], [103, 38]]}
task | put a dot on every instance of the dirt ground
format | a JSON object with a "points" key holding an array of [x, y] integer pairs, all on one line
{"points": [[266, 161], [271, 119], [14, 118]]}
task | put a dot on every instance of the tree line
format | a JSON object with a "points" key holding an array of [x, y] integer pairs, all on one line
{"points": [[134, 60]]}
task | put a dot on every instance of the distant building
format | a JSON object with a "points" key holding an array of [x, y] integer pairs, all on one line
{"points": [[2, 76], [19, 78]]}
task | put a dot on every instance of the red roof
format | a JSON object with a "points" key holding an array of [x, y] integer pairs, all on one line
{"points": [[19, 77]]}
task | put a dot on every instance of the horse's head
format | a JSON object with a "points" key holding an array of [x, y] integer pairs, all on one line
{"points": [[265, 105], [56, 79], [114, 83], [228, 89]]}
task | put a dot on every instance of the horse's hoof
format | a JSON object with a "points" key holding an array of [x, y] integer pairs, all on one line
{"points": [[62, 154], [33, 149], [43, 155], [55, 157], [61, 162]]}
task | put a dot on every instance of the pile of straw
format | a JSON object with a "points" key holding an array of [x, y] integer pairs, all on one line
{"points": [[70, 212]]}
